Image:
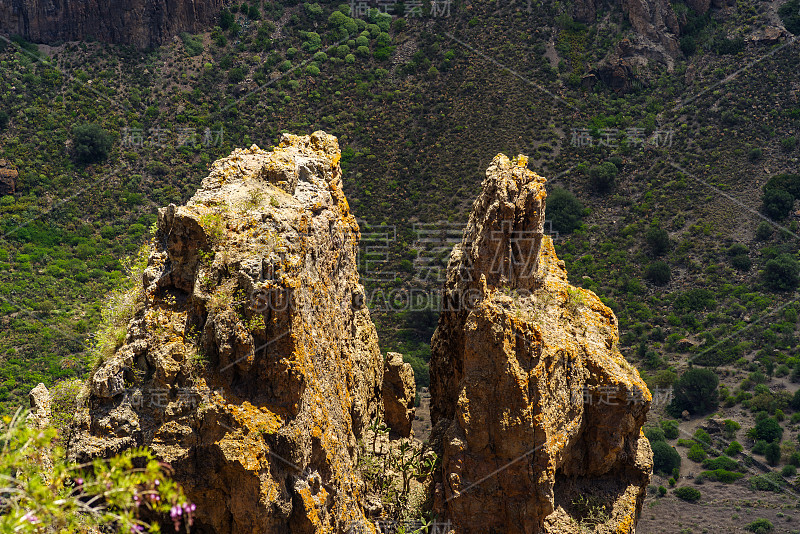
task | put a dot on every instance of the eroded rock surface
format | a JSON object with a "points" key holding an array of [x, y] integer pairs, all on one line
{"points": [[251, 365], [138, 23], [398, 394], [537, 414]]}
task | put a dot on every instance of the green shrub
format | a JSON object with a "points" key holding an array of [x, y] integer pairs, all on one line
{"points": [[665, 457], [193, 45], [226, 19], [654, 434], [771, 481], [782, 273], [722, 475], [658, 273], [658, 241], [734, 448], [688, 494], [236, 75], [601, 177], [763, 231], [730, 427], [773, 453], [695, 391], [3, 120], [760, 526], [755, 154], [688, 45], [702, 437], [777, 204], [769, 430], [662, 491], [696, 453], [723, 462], [90, 143], [788, 471], [564, 211], [670, 429], [760, 447], [790, 16]]}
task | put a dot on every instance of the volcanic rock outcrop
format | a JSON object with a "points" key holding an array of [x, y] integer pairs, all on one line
{"points": [[251, 364], [537, 415], [139, 23], [398, 394]]}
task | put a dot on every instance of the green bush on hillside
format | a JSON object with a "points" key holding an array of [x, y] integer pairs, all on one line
{"points": [[790, 15], [688, 494], [695, 391], [665, 457], [760, 526], [90, 143], [782, 273], [564, 211]]}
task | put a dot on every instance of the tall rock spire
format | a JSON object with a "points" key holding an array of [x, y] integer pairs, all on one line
{"points": [[536, 412]]}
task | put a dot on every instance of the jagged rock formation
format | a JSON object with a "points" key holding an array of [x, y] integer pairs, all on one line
{"points": [[252, 365], [656, 30], [8, 178], [39, 416], [139, 23], [398, 394], [537, 414]]}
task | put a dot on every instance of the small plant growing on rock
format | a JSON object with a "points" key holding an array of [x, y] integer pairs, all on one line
{"points": [[575, 299], [592, 512]]}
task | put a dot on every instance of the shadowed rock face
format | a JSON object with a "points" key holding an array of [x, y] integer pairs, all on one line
{"points": [[537, 414], [139, 23], [251, 365]]}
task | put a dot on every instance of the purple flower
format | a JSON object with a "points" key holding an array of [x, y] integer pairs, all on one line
{"points": [[30, 517], [79, 481], [137, 528]]}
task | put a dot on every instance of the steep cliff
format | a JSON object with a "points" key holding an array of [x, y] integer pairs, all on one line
{"points": [[139, 23], [251, 364], [537, 414]]}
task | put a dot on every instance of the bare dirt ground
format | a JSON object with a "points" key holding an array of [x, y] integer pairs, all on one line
{"points": [[722, 508], [422, 419]]}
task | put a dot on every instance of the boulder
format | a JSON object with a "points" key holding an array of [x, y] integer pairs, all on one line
{"points": [[398, 394]]}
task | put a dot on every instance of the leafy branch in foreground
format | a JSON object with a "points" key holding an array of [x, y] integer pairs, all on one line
{"points": [[40, 492]]}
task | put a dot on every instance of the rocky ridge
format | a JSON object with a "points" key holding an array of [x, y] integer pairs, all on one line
{"points": [[537, 414], [128, 22], [251, 365]]}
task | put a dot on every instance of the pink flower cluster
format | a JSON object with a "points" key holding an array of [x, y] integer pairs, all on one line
{"points": [[178, 511]]}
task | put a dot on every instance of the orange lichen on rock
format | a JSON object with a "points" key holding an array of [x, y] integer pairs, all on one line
{"points": [[253, 365], [533, 404]]}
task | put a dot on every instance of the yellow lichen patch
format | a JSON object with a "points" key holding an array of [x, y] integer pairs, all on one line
{"points": [[255, 419]]}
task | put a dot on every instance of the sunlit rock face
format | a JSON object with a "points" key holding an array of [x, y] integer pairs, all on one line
{"points": [[251, 364], [537, 415]]}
